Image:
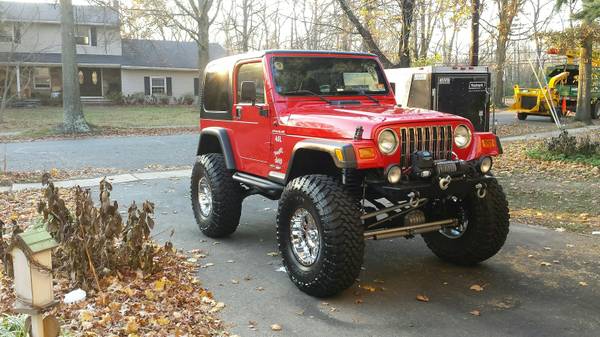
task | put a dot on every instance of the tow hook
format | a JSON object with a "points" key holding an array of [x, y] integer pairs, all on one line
{"points": [[445, 182], [414, 199], [481, 190]]}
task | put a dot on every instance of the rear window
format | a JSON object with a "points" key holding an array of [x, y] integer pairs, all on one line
{"points": [[215, 96]]}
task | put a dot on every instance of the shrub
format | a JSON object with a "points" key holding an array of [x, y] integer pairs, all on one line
{"points": [[94, 241], [116, 96], [568, 145], [13, 326], [186, 99], [161, 99], [135, 98]]}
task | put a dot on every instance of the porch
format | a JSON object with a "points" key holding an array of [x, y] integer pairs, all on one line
{"points": [[44, 82]]}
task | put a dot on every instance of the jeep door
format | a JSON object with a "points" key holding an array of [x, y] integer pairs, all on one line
{"points": [[253, 122]]}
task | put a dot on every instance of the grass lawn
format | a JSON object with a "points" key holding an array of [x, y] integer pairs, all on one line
{"points": [[43, 120]]}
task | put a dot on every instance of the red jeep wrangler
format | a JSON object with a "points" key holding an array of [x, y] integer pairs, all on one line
{"points": [[321, 132]]}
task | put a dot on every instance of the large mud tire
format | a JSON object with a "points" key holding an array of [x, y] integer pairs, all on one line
{"points": [[336, 215], [226, 196], [488, 223]]}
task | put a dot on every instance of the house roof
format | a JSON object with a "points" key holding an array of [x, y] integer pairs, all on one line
{"points": [[136, 54], [50, 12], [165, 54]]}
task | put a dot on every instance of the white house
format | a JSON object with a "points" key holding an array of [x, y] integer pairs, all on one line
{"points": [[30, 45]]}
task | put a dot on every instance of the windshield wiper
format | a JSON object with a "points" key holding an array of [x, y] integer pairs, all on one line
{"points": [[363, 93], [304, 91]]}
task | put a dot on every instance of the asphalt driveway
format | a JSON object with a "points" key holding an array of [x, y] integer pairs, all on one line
{"points": [[520, 297]]}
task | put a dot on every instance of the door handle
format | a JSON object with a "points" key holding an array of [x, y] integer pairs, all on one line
{"points": [[238, 112], [263, 111]]}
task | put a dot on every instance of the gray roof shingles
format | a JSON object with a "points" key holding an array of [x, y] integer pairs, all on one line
{"points": [[50, 12], [136, 53]]}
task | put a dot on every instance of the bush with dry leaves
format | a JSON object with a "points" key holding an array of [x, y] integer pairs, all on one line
{"points": [[94, 241]]}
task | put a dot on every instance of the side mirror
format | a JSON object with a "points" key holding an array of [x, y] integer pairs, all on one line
{"points": [[248, 91]]}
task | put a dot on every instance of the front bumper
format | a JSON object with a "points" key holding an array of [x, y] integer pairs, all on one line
{"points": [[466, 179]]}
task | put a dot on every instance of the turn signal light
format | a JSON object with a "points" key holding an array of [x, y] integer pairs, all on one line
{"points": [[366, 153], [488, 143]]}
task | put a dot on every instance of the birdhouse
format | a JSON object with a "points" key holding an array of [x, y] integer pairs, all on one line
{"points": [[32, 265]]}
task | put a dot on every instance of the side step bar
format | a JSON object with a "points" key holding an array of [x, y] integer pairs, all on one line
{"points": [[268, 188], [410, 230]]}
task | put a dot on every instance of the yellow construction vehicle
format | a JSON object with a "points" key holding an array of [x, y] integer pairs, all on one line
{"points": [[561, 90]]}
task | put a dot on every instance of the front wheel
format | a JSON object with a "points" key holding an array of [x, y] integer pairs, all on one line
{"points": [[482, 231], [216, 197], [320, 235], [521, 116]]}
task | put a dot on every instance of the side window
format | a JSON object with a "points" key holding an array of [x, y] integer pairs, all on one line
{"points": [[215, 95], [251, 72]]}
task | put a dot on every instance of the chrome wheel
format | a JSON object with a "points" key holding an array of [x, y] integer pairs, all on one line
{"points": [[305, 237], [204, 197]]}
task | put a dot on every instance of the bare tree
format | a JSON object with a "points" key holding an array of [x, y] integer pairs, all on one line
{"points": [[508, 10]]}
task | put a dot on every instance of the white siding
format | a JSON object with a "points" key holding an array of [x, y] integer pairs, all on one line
{"points": [[132, 80], [45, 38]]}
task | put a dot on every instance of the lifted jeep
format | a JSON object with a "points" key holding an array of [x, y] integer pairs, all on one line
{"points": [[321, 132]]}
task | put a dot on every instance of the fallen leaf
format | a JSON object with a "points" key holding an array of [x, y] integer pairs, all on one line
{"points": [[422, 298], [475, 313], [276, 327], [273, 253], [545, 264], [476, 287], [132, 325], [583, 284]]}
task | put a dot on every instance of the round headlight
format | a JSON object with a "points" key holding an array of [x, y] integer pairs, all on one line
{"points": [[462, 136], [394, 174], [387, 141], [485, 165]]}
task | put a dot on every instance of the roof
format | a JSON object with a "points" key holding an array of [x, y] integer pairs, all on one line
{"points": [[165, 54], [36, 240], [50, 12], [136, 54]]}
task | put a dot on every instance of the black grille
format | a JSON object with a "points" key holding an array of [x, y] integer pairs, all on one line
{"points": [[528, 102], [435, 139]]}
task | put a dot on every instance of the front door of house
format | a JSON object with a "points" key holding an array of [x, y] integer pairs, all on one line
{"points": [[90, 82]]}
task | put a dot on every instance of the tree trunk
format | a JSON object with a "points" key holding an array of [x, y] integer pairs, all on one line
{"points": [[366, 35], [584, 90], [203, 55], [474, 50], [499, 80], [408, 7], [73, 119]]}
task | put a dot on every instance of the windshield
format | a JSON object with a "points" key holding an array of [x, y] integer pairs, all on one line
{"points": [[327, 76]]}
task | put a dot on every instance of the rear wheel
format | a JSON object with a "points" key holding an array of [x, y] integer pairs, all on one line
{"points": [[482, 231], [216, 197], [521, 116], [320, 235]]}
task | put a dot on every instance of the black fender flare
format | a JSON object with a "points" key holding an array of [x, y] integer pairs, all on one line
{"points": [[225, 145], [345, 150]]}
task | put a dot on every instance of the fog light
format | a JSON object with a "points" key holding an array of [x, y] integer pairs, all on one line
{"points": [[394, 174], [485, 165]]}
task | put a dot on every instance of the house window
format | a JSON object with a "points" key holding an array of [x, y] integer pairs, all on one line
{"points": [[7, 32], [41, 78], [82, 36], [158, 85]]}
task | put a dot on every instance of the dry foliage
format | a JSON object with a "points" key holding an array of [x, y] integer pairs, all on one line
{"points": [[165, 301], [96, 238]]}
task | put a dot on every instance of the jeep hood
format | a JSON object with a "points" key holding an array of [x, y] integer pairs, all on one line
{"points": [[342, 121]]}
